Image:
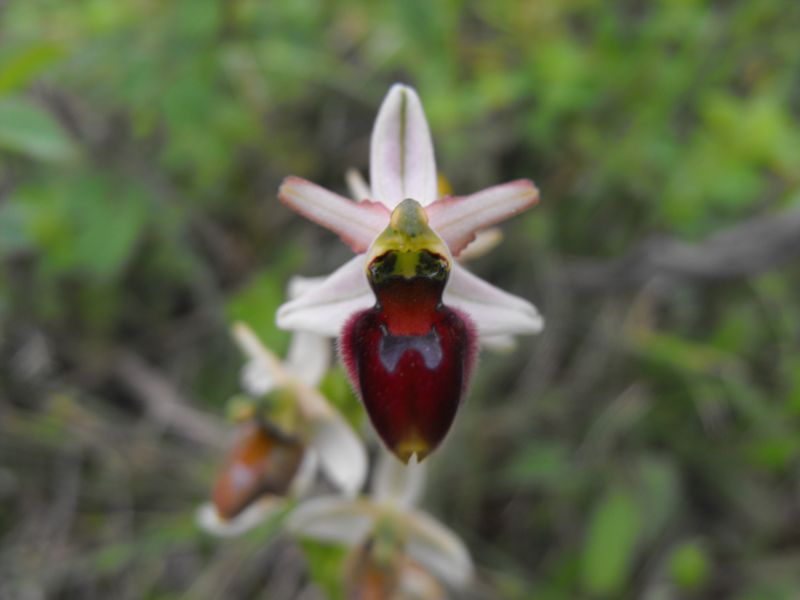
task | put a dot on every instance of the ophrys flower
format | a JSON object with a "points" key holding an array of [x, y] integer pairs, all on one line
{"points": [[395, 545], [280, 447], [407, 312]]}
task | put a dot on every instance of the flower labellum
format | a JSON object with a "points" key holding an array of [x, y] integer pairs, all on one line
{"points": [[264, 461], [410, 355]]}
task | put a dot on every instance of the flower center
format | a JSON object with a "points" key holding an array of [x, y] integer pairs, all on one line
{"points": [[407, 234], [407, 268]]}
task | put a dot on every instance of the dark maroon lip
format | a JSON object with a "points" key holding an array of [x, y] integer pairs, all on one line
{"points": [[410, 357]]}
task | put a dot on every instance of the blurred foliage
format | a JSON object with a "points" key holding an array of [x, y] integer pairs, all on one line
{"points": [[647, 445]]}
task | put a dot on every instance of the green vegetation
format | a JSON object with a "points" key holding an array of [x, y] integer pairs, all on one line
{"points": [[646, 445]]}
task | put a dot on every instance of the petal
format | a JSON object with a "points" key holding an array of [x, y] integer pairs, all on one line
{"points": [[341, 453], [457, 218], [332, 519], [357, 223], [499, 343], [265, 370], [493, 311], [437, 548], [325, 309], [306, 474], [208, 518], [357, 185], [309, 357], [255, 379], [402, 164], [309, 354], [396, 483], [300, 285], [485, 241], [312, 404]]}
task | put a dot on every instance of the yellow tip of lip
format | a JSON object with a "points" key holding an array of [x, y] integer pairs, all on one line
{"points": [[411, 446]]}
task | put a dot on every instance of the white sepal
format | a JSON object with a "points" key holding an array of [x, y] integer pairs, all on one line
{"points": [[325, 309], [299, 285], [402, 163], [303, 480], [309, 357], [332, 519], [255, 379], [208, 518], [437, 548], [340, 452], [264, 371], [397, 484], [499, 343], [494, 311]]}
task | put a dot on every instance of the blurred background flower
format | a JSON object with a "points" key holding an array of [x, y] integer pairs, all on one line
{"points": [[395, 546], [283, 438], [645, 445]]}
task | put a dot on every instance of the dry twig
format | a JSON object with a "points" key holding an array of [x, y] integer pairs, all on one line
{"points": [[742, 250], [165, 405]]}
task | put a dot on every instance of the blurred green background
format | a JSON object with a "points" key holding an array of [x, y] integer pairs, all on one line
{"points": [[646, 445]]}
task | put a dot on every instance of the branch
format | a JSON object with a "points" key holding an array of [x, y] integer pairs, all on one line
{"points": [[743, 250], [165, 405]]}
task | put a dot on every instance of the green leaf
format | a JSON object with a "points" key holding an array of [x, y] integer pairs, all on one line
{"points": [[689, 566], [13, 223], [109, 230], [19, 65], [29, 130], [659, 494], [775, 451], [87, 224], [326, 565], [542, 464], [609, 548]]}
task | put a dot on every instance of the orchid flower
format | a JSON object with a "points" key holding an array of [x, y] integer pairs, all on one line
{"points": [[275, 459], [396, 547], [407, 314]]}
